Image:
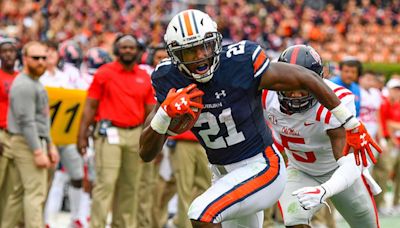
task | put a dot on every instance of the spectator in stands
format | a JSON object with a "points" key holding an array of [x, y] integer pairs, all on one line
{"points": [[357, 28], [350, 71]]}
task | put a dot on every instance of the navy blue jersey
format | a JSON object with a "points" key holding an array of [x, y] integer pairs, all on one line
{"points": [[231, 127]]}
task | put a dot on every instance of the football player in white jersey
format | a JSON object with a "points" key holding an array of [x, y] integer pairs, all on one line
{"points": [[69, 78], [72, 56], [95, 58], [371, 99], [313, 140]]}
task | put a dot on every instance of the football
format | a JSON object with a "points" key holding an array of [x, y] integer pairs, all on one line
{"points": [[185, 122]]}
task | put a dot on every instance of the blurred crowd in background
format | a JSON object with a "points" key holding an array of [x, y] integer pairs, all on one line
{"points": [[366, 29]]}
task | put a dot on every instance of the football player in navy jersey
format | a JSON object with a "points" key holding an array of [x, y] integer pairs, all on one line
{"points": [[248, 172]]}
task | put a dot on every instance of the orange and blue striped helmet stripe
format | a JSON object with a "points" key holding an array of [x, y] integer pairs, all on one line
{"points": [[188, 25]]}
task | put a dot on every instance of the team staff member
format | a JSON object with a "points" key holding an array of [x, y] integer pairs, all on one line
{"points": [[121, 94], [389, 118], [8, 56], [30, 142]]}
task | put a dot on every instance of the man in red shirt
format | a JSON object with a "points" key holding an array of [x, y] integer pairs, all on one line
{"points": [[389, 161], [8, 56], [122, 96]]}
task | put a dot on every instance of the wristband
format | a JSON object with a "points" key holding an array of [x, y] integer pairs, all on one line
{"points": [[160, 122], [345, 117]]}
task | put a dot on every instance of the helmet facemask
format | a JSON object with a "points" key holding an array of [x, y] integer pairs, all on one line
{"points": [[185, 56], [308, 58], [292, 105]]}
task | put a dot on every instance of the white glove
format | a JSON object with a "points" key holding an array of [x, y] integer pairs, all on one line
{"points": [[310, 197]]}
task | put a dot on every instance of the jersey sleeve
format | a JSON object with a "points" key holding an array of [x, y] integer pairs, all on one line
{"points": [[96, 88], [243, 64], [158, 81], [268, 98], [345, 96], [259, 58]]}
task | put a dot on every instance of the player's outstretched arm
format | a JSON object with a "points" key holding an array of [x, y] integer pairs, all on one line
{"points": [[342, 178], [284, 77]]}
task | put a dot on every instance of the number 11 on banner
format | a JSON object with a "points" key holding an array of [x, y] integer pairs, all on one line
{"points": [[66, 106]]}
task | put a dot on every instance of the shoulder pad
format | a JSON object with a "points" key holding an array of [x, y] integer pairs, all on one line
{"points": [[162, 69]]}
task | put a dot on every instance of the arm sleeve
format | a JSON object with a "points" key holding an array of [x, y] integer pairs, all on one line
{"points": [[344, 176], [24, 108]]}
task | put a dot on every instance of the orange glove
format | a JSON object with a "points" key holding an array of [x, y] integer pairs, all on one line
{"points": [[179, 102], [359, 139]]}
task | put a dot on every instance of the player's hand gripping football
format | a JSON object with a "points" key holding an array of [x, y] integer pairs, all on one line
{"points": [[359, 140], [179, 102], [310, 197]]}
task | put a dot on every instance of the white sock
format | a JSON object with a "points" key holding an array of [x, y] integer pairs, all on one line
{"points": [[75, 195], [55, 197], [85, 207]]}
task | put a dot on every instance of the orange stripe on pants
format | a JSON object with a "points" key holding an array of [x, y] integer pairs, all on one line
{"points": [[245, 188]]}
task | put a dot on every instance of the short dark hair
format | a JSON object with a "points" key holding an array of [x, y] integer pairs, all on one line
{"points": [[369, 72], [119, 38], [352, 62]]}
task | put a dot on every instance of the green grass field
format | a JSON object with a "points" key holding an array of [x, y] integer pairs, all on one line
{"points": [[386, 222]]}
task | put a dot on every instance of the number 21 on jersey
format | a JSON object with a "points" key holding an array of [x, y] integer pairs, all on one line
{"points": [[225, 117]]}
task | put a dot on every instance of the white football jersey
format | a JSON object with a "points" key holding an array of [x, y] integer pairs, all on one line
{"points": [[75, 77], [58, 80], [303, 136], [370, 102], [87, 79]]}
